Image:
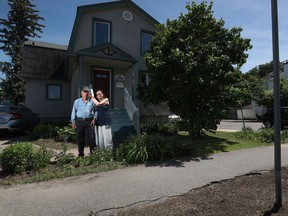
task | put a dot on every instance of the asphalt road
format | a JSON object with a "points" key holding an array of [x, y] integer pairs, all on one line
{"points": [[237, 125]]}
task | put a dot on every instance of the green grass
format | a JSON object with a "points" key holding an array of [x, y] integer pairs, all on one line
{"points": [[208, 144], [212, 143], [52, 172]]}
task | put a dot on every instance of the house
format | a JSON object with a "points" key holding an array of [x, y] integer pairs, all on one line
{"points": [[105, 51], [254, 110]]}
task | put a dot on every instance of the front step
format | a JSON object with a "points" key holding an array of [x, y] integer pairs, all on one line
{"points": [[122, 127]]}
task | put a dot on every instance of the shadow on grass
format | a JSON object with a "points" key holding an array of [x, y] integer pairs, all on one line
{"points": [[196, 149]]}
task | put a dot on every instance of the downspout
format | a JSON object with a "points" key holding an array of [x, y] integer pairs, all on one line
{"points": [[133, 83], [81, 72]]}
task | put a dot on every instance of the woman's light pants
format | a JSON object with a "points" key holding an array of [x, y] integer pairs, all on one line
{"points": [[103, 136]]}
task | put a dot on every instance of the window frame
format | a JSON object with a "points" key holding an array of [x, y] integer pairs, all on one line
{"points": [[142, 52], [58, 93], [147, 80], [94, 30]]}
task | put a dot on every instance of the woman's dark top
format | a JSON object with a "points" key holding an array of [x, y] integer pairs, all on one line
{"points": [[104, 117]]}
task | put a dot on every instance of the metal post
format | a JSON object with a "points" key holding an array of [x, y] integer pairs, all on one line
{"points": [[277, 121]]}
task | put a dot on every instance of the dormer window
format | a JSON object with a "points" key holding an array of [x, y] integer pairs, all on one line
{"points": [[101, 32]]}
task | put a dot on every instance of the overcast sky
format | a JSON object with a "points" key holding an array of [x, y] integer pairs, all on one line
{"points": [[254, 16]]}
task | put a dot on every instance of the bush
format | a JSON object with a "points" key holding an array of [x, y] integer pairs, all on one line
{"points": [[164, 129], [246, 133], [100, 155], [44, 131], [262, 135], [143, 148], [65, 134], [266, 135], [23, 156]]}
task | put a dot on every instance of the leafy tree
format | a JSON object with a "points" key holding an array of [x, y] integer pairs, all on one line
{"points": [[263, 69], [265, 96], [195, 61], [257, 79], [21, 23]]}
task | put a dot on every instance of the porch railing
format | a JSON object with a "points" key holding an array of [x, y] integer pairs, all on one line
{"points": [[132, 110]]}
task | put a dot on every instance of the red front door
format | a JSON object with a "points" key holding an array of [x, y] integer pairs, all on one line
{"points": [[102, 81]]}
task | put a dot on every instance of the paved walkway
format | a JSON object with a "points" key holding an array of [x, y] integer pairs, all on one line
{"points": [[104, 192]]}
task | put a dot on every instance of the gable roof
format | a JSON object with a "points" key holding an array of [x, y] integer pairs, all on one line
{"points": [[102, 6]]}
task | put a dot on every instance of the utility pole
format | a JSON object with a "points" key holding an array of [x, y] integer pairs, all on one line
{"points": [[277, 120]]}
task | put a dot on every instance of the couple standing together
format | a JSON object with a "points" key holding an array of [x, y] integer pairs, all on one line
{"points": [[91, 115]]}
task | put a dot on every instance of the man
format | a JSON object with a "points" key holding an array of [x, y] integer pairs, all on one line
{"points": [[83, 119]]}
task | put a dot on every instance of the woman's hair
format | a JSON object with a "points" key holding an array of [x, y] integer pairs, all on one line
{"points": [[99, 90]]}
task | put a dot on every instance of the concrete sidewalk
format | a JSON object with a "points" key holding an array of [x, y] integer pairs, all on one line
{"points": [[104, 192]]}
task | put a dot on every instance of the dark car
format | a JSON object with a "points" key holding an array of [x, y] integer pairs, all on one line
{"points": [[268, 117], [17, 118]]}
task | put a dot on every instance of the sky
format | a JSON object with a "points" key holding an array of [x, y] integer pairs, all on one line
{"points": [[253, 16]]}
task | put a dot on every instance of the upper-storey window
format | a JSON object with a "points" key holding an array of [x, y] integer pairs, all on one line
{"points": [[101, 32], [146, 38]]}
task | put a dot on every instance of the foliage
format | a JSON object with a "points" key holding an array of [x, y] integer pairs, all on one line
{"points": [[23, 156], [64, 158], [265, 96], [44, 131], [146, 148], [263, 70], [100, 155], [265, 135], [21, 24], [245, 133], [195, 63], [257, 80], [164, 129], [66, 134]]}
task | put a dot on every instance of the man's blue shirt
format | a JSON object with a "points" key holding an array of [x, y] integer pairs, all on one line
{"points": [[83, 110]]}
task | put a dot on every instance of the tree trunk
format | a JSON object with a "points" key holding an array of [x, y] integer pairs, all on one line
{"points": [[242, 118]]}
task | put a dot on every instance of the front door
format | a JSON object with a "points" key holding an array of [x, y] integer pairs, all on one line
{"points": [[102, 80]]}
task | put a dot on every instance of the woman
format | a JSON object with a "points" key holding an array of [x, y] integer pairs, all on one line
{"points": [[103, 134]]}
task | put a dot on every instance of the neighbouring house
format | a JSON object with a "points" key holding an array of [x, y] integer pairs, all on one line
{"points": [[253, 110], [106, 50]]}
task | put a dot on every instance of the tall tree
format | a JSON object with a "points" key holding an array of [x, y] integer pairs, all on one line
{"points": [[195, 61], [21, 24]]}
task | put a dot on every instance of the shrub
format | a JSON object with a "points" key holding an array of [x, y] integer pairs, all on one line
{"points": [[165, 129], [23, 156], [44, 131], [63, 158], [266, 135], [246, 133], [66, 134], [143, 148], [100, 155]]}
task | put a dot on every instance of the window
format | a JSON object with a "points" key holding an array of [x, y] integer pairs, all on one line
{"points": [[145, 78], [101, 32], [53, 92], [146, 38]]}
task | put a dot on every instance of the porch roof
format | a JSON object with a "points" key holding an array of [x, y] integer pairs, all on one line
{"points": [[107, 51]]}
